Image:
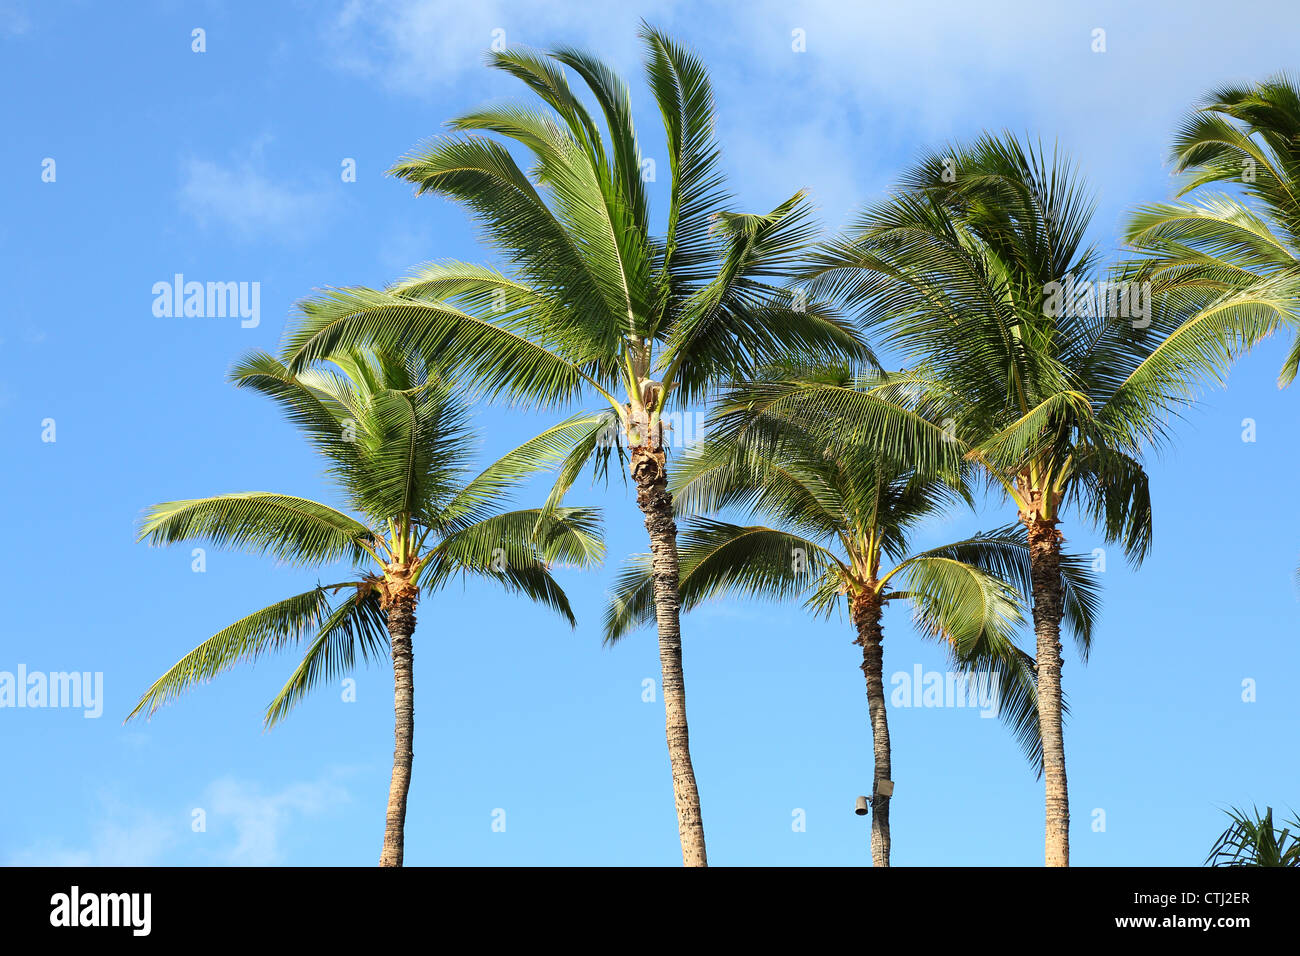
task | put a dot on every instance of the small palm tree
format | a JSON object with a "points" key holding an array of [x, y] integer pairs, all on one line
{"points": [[839, 528], [397, 440], [1251, 840], [1238, 249], [593, 302], [979, 270]]}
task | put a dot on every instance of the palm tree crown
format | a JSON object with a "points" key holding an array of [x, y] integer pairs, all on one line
{"points": [[397, 439], [592, 300], [1235, 251], [398, 442]]}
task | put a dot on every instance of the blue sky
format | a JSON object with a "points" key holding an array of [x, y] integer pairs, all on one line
{"points": [[225, 166]]}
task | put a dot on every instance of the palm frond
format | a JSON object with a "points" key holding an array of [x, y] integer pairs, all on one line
{"points": [[1004, 553], [716, 559], [297, 531], [1252, 840], [500, 361], [272, 628], [566, 446], [356, 627]]}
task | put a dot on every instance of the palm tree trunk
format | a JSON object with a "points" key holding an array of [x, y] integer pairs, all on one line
{"points": [[650, 474], [1045, 579], [866, 612], [401, 625]]}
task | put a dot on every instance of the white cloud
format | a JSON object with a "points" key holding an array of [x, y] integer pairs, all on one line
{"points": [[120, 836], [419, 47], [884, 81], [245, 825], [258, 819], [243, 198], [409, 46], [13, 19]]}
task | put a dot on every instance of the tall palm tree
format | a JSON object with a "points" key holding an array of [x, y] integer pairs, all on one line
{"points": [[397, 440], [839, 528], [979, 270], [1217, 248], [1252, 840], [592, 302]]}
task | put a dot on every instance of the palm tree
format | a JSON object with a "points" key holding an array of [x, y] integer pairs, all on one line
{"points": [[1251, 840], [978, 269], [838, 527], [591, 302], [397, 440], [1217, 249]]}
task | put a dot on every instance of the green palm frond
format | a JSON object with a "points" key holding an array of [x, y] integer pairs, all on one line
{"points": [[270, 629], [356, 627], [740, 322], [482, 174], [517, 549], [501, 361], [681, 87], [978, 614], [960, 603], [1252, 840], [1226, 264], [417, 446], [1035, 435], [1218, 227], [1113, 490], [1201, 335], [565, 536], [1004, 553], [322, 407], [631, 599], [717, 559], [761, 413], [294, 530], [533, 580], [567, 446], [796, 490]]}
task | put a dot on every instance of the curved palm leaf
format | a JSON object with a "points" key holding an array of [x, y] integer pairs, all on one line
{"points": [[294, 530], [271, 628], [717, 559], [358, 626]]}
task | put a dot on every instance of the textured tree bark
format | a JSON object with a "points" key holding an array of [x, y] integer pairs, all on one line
{"points": [[650, 475], [401, 625], [1045, 578], [866, 611]]}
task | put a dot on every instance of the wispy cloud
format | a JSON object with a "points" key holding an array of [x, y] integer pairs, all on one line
{"points": [[245, 824], [257, 819], [120, 836], [244, 198], [417, 47], [14, 20], [876, 83], [410, 46]]}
